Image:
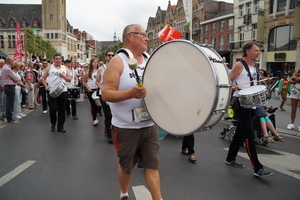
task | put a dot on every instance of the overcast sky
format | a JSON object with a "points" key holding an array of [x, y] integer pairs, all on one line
{"points": [[101, 18]]}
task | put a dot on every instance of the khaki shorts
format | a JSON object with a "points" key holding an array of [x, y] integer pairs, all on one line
{"points": [[284, 95], [137, 146]]}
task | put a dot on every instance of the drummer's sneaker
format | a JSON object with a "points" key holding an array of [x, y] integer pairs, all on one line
{"points": [[75, 117], [45, 111], [95, 122], [262, 173], [234, 163], [290, 126], [298, 128], [281, 108]]}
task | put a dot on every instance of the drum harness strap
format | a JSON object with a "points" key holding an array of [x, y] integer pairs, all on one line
{"points": [[249, 74]]}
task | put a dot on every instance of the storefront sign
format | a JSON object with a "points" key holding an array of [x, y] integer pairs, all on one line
{"points": [[280, 56]]}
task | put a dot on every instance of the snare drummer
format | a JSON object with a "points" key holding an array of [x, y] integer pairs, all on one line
{"points": [[88, 81], [106, 109], [245, 129], [73, 83], [134, 142], [52, 75]]}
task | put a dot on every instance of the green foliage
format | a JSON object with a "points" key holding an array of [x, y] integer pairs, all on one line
{"points": [[37, 45], [113, 48]]}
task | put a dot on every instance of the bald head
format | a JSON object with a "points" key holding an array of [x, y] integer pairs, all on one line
{"points": [[127, 30], [9, 60], [2, 62]]}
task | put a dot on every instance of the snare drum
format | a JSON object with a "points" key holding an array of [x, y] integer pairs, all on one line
{"points": [[253, 96], [188, 87], [96, 98], [57, 90], [73, 93]]}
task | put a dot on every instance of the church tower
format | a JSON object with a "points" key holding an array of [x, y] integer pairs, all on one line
{"points": [[54, 18]]}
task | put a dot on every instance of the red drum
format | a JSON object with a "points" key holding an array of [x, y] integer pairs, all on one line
{"points": [[188, 87]]}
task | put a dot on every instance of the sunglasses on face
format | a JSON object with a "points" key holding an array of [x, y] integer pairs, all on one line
{"points": [[110, 55]]}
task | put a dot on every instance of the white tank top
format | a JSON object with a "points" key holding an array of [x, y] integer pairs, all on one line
{"points": [[72, 82], [101, 76], [244, 78], [122, 111], [52, 79], [91, 81]]}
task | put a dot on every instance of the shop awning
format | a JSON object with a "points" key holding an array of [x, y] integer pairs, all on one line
{"points": [[3, 55], [223, 53]]}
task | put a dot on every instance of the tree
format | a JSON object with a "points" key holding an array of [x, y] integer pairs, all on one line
{"points": [[113, 48], [35, 44]]}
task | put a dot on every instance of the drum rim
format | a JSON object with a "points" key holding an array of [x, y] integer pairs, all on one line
{"points": [[216, 81]]}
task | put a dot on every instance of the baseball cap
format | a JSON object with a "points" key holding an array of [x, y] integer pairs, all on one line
{"points": [[68, 61]]}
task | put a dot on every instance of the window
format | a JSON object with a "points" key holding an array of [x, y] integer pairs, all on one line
{"points": [[241, 11], [23, 23], [56, 35], [256, 6], [213, 42], [213, 27], [281, 5], [52, 36], [205, 40], [230, 24], [206, 30], [272, 6], [221, 45], [35, 23], [254, 33], [248, 7], [293, 4], [12, 23], [229, 40], [51, 16], [1, 42], [279, 43], [241, 33], [11, 41], [222, 26], [48, 36]]}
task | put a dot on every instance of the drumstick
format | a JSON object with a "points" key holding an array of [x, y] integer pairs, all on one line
{"points": [[133, 66], [253, 81]]}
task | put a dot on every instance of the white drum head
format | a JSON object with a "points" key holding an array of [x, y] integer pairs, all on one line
{"points": [[252, 90], [181, 87]]}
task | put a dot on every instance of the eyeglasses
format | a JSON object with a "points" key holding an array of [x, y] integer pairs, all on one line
{"points": [[45, 63], [110, 55], [144, 35]]}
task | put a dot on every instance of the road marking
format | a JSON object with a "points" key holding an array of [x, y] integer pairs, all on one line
{"points": [[284, 162], [141, 193], [4, 179]]}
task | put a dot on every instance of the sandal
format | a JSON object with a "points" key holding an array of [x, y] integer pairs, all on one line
{"points": [[278, 138], [268, 139], [185, 152], [192, 158]]}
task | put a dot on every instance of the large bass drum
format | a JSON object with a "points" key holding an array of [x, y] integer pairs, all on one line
{"points": [[188, 87]]}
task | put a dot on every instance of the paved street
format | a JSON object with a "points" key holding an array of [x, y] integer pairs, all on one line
{"points": [[36, 164]]}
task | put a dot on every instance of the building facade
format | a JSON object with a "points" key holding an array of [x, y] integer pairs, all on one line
{"points": [[50, 22]]}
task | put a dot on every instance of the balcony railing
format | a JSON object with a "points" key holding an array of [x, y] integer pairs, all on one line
{"points": [[247, 19], [239, 44]]}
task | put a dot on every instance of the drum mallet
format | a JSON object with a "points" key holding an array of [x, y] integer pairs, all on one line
{"points": [[253, 81], [133, 65]]}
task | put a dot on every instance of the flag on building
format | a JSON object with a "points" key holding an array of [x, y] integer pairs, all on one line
{"points": [[18, 53], [188, 9]]}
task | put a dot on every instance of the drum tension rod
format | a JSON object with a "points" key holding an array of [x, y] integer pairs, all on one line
{"points": [[224, 85]]}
